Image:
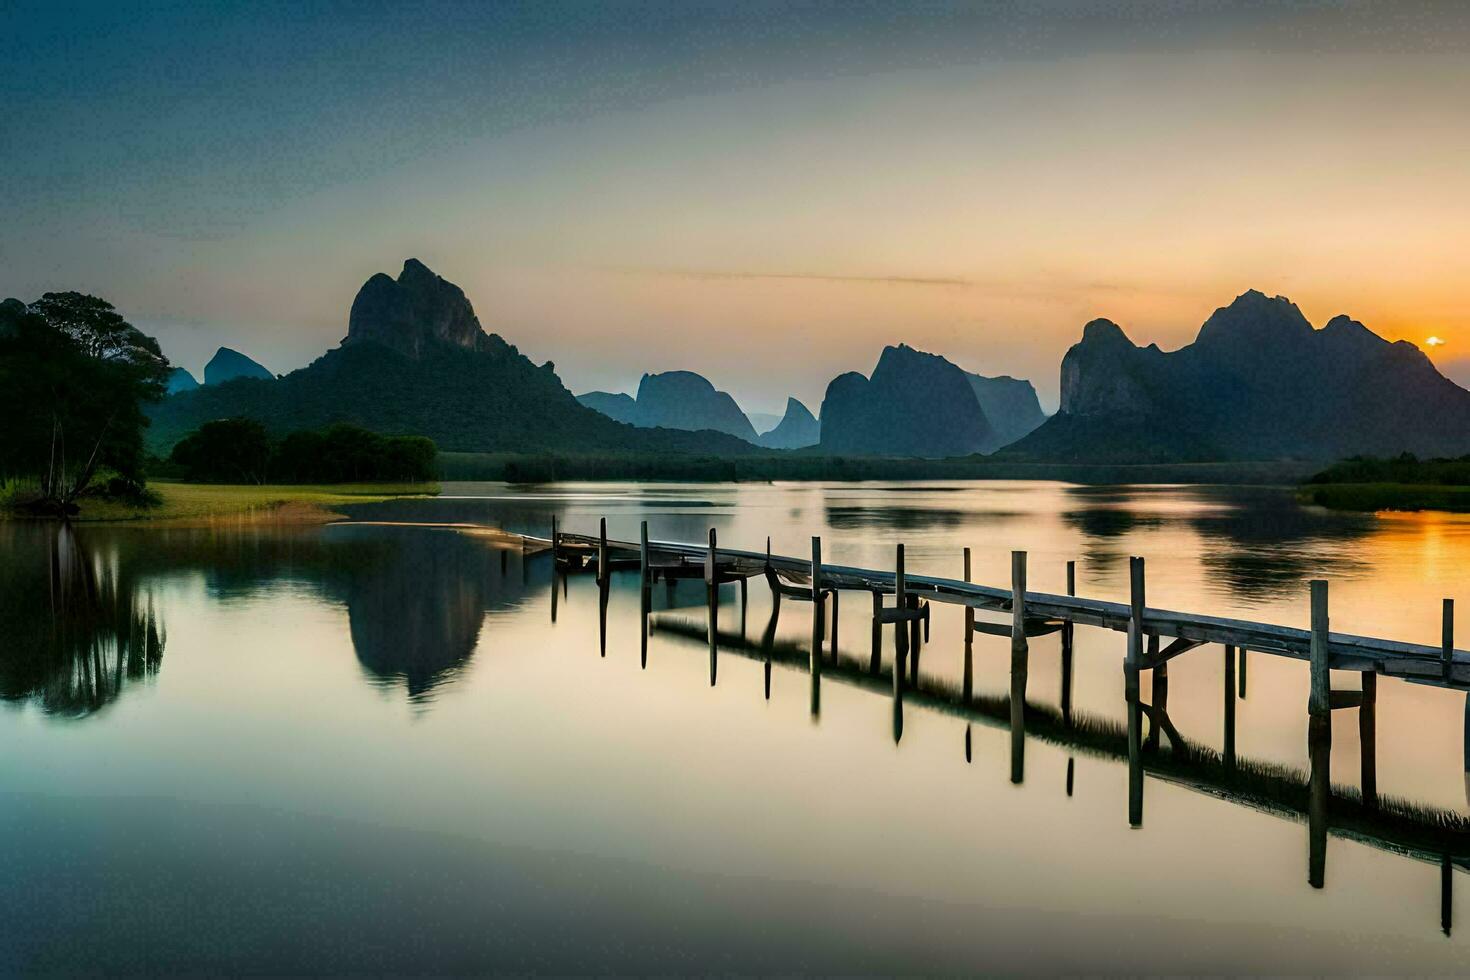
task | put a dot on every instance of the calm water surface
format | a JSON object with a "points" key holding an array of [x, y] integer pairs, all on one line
{"points": [[394, 745]]}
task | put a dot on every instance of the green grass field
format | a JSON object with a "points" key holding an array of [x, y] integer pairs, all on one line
{"points": [[200, 501]]}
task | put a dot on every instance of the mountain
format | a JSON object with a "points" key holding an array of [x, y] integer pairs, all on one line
{"points": [[796, 429], [685, 400], [180, 380], [616, 405], [228, 364], [1258, 382], [915, 404], [675, 400], [410, 366], [1009, 403]]}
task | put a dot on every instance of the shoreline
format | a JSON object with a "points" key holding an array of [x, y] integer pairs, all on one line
{"points": [[209, 504]]}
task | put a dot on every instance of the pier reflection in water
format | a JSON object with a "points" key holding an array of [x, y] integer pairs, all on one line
{"points": [[366, 741]]}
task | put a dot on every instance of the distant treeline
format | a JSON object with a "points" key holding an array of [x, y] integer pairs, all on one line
{"points": [[1405, 469], [242, 451], [799, 465]]}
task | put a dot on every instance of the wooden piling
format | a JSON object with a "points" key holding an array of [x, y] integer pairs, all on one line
{"points": [[604, 586], [1319, 743], [969, 641], [835, 611], [1068, 628], [712, 588], [1130, 689], [1019, 657], [900, 601], [1447, 638], [1229, 745], [816, 652], [1320, 702], [555, 542], [1368, 739], [875, 658], [602, 569], [644, 581], [1243, 662]]}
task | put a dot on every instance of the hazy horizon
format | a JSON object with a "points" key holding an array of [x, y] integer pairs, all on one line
{"points": [[766, 194]]}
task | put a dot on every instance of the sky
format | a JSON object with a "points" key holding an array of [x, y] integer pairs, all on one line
{"points": [[764, 193]]}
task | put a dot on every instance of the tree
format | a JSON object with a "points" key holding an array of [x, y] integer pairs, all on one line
{"points": [[227, 450], [73, 376]]}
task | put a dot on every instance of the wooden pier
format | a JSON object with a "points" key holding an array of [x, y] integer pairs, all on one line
{"points": [[1154, 637]]}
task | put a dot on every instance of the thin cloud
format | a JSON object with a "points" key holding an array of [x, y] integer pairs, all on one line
{"points": [[802, 276]]}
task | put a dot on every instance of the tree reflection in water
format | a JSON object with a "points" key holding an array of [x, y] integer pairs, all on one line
{"points": [[99, 633]]}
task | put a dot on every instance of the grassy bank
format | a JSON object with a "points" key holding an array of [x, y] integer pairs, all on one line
{"points": [[1387, 496], [287, 503], [545, 468]]}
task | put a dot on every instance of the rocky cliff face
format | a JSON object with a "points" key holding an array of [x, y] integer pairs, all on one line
{"points": [[915, 404], [1258, 382], [228, 364], [416, 310], [685, 400], [179, 380], [798, 428], [1010, 404]]}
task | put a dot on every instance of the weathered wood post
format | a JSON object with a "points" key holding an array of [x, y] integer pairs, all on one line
{"points": [[744, 602], [969, 648], [1368, 739], [835, 611], [1019, 657], [1243, 662], [1130, 689], [1159, 699], [1319, 733], [712, 587], [816, 652], [1320, 702], [1068, 630], [644, 582], [602, 570], [1229, 748], [875, 659], [900, 628], [916, 644], [1447, 638], [555, 542], [604, 587]]}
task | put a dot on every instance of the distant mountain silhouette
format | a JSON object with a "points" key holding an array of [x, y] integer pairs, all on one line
{"points": [[228, 364], [180, 380], [1257, 383], [616, 405], [416, 361], [797, 428], [915, 404], [1010, 404], [675, 400]]}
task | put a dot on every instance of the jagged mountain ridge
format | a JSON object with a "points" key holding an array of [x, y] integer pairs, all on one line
{"points": [[227, 364], [436, 376], [1258, 382], [797, 429]]}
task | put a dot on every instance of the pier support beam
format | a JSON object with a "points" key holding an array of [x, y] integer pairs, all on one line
{"points": [[900, 628], [1068, 629], [1019, 657], [1319, 735], [969, 682], [1131, 692], [712, 588], [875, 659], [1368, 739], [1229, 742], [815, 661]]}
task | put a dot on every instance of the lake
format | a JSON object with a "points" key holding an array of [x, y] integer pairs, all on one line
{"points": [[396, 745]]}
